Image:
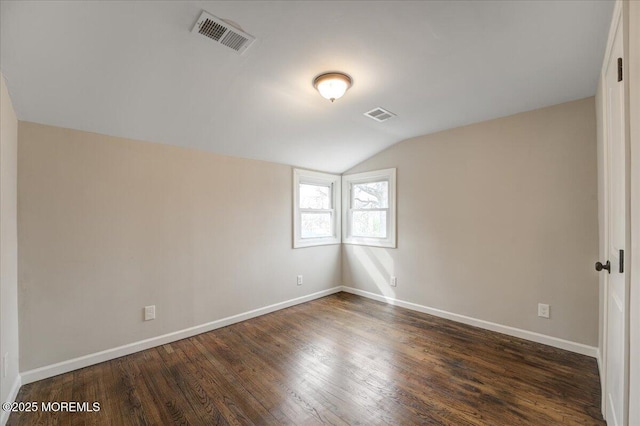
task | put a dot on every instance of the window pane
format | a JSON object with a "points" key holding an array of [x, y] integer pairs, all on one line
{"points": [[314, 225], [371, 195], [315, 196], [369, 224]]}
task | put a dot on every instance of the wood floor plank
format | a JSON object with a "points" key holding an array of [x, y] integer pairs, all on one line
{"points": [[171, 388], [300, 399], [329, 405], [234, 402], [454, 357], [372, 393], [396, 380], [342, 359], [268, 385]]}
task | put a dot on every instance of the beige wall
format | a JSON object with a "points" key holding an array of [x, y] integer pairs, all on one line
{"points": [[109, 225], [492, 219], [8, 243]]}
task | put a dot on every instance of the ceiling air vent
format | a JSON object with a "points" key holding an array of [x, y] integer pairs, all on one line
{"points": [[379, 114], [223, 32]]}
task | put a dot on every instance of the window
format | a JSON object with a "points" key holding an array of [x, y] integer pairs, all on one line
{"points": [[369, 202], [316, 208]]}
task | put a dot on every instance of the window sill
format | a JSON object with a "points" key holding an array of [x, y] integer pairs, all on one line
{"points": [[324, 242], [370, 243]]}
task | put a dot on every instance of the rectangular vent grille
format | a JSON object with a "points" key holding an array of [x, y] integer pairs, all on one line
{"points": [[223, 33], [234, 40], [379, 114], [211, 29]]}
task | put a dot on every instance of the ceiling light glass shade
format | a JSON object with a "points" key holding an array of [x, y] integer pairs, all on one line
{"points": [[332, 85]]}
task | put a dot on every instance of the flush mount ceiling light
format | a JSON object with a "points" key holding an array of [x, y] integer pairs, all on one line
{"points": [[332, 85]]}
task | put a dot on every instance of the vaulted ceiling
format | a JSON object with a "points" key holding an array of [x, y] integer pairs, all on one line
{"points": [[134, 69]]}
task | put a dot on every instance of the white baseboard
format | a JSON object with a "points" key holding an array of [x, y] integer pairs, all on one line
{"points": [[504, 329], [13, 393], [109, 354]]}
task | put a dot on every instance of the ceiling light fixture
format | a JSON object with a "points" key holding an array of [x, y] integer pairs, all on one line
{"points": [[332, 85]]}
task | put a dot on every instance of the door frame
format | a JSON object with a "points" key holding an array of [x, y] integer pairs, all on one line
{"points": [[633, 71]]}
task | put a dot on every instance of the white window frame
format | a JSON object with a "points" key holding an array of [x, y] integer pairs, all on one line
{"points": [[348, 181], [301, 176]]}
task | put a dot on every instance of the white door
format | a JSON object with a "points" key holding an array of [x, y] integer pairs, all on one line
{"points": [[616, 225]]}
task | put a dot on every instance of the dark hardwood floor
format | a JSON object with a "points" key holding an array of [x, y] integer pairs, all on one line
{"points": [[342, 359]]}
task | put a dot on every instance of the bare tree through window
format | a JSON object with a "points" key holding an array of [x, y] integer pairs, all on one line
{"points": [[370, 204]]}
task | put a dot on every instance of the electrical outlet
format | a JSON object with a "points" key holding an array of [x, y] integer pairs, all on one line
{"points": [[149, 312], [543, 310], [5, 364], [299, 279], [393, 282]]}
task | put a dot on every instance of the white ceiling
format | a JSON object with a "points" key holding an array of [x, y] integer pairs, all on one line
{"points": [[134, 69]]}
